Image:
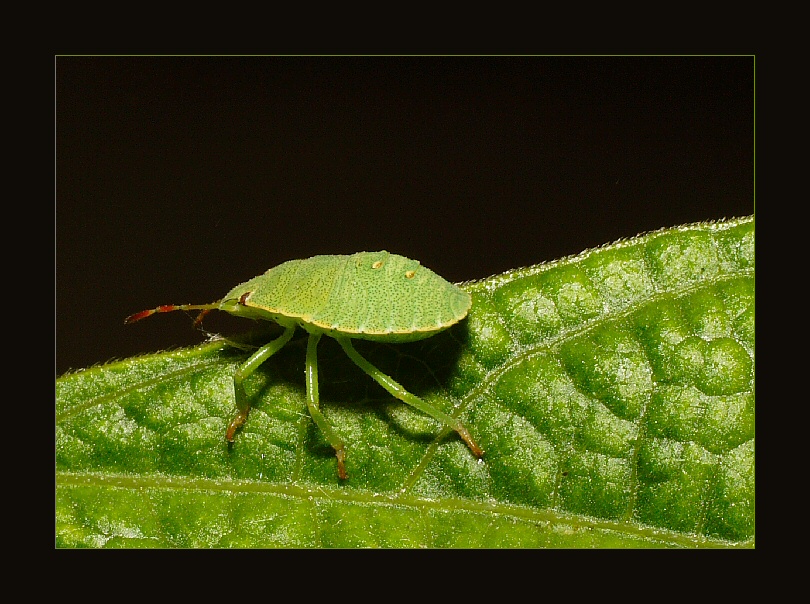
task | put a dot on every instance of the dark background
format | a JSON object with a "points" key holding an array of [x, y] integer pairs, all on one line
{"points": [[179, 177]]}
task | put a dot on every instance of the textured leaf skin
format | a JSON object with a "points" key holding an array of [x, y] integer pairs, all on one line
{"points": [[613, 393]]}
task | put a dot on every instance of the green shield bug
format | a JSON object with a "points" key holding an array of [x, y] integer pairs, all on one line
{"points": [[369, 295]]}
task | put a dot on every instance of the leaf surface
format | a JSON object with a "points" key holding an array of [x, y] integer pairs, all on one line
{"points": [[612, 391]]}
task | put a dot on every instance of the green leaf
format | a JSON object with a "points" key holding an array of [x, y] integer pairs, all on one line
{"points": [[613, 393]]}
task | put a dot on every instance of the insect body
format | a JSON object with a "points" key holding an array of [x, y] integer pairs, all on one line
{"points": [[369, 295]]}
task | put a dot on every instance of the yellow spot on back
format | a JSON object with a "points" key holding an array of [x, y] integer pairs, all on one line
{"points": [[377, 264], [410, 274]]}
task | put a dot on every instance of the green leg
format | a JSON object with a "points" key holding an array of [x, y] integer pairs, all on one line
{"points": [[313, 403], [259, 357], [414, 401]]}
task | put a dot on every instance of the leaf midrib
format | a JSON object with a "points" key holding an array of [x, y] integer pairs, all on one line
{"points": [[319, 493]]}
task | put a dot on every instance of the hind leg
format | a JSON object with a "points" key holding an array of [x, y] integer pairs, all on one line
{"points": [[399, 392]]}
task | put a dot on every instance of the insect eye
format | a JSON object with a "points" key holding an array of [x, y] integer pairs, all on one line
{"points": [[410, 274]]}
